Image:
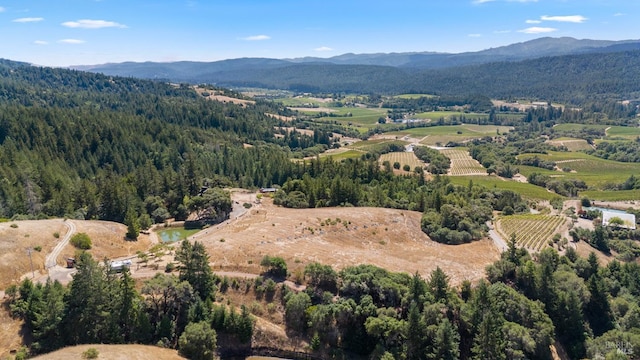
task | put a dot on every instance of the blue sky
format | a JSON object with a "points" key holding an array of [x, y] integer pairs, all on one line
{"points": [[75, 32]]}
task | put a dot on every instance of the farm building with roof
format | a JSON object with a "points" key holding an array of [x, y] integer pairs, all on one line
{"points": [[629, 220]]}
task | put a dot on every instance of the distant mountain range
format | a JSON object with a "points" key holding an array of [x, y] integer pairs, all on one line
{"points": [[406, 72]]}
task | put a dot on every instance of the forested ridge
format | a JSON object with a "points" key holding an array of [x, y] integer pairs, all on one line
{"points": [[91, 146], [574, 79]]}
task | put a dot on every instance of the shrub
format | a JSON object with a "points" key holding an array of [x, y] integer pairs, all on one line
{"points": [[81, 241], [91, 353], [37, 248], [56, 235], [14, 225]]}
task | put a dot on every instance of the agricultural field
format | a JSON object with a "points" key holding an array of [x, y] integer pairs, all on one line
{"points": [[414, 96], [435, 115], [441, 135], [462, 163], [594, 171], [532, 231], [404, 158], [375, 145], [526, 190], [572, 144], [611, 195], [626, 132], [343, 154], [359, 117]]}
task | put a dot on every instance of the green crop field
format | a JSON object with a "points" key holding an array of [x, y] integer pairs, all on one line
{"points": [[360, 116], [526, 190], [595, 172], [575, 127], [349, 154], [612, 195], [414, 96], [375, 145], [532, 231], [626, 132], [435, 115]]}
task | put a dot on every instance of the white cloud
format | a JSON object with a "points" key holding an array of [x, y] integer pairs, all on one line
{"points": [[40, 42], [502, 31], [92, 24], [619, 14], [28, 19], [323, 48], [474, 35], [71, 41], [257, 38], [570, 18], [537, 30], [533, 21]]}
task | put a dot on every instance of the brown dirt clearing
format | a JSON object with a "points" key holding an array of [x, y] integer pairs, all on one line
{"points": [[115, 352], [388, 238]]}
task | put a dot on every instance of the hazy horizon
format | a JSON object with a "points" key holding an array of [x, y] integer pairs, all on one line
{"points": [[90, 32]]}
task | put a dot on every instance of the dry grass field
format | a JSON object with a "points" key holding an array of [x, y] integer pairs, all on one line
{"points": [[108, 240], [114, 352], [16, 237], [340, 237]]}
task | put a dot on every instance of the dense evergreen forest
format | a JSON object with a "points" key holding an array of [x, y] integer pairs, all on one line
{"points": [[573, 79], [89, 146]]}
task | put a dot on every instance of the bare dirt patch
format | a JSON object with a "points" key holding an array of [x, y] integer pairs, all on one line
{"points": [[388, 238], [221, 98], [313, 109], [114, 352], [280, 117]]}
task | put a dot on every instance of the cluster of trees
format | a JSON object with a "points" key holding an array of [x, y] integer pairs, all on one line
{"points": [[564, 187], [537, 162], [100, 306], [386, 315], [438, 162], [625, 151], [475, 103], [591, 306]]}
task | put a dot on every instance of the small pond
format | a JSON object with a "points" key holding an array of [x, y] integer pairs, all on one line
{"points": [[175, 234]]}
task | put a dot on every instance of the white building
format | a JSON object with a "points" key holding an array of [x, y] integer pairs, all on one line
{"points": [[628, 219]]}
